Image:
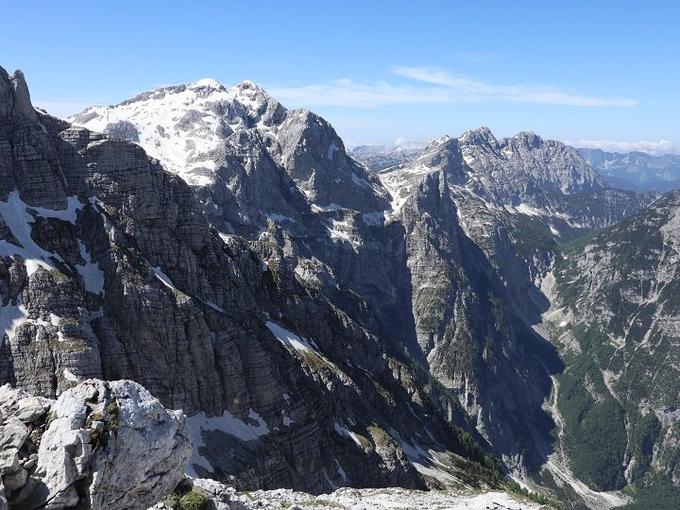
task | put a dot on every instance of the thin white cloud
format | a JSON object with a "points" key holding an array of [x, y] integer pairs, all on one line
{"points": [[474, 56], [62, 109], [481, 90], [651, 147], [435, 87], [360, 95]]}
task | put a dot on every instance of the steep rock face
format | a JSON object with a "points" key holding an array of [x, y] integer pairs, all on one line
{"points": [[518, 239], [14, 96], [330, 176], [616, 321], [109, 269], [467, 324], [543, 178], [526, 161], [476, 263], [253, 163], [90, 448]]}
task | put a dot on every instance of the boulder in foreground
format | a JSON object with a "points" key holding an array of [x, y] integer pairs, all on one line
{"points": [[102, 445]]}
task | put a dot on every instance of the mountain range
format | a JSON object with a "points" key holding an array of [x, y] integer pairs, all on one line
{"points": [[637, 171], [633, 171], [475, 313]]}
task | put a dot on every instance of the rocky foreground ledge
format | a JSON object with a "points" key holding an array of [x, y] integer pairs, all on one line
{"points": [[101, 445], [216, 496]]}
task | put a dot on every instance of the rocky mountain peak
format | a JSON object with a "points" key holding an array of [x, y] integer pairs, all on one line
{"points": [[250, 85], [207, 83], [438, 143], [479, 136], [185, 126], [14, 95], [528, 139], [188, 127], [441, 152], [258, 100], [442, 155], [513, 165]]}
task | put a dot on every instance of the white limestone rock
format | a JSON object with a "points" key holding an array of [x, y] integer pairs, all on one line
{"points": [[103, 445]]}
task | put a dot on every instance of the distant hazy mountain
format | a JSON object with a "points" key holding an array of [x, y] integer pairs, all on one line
{"points": [[380, 157], [637, 171]]}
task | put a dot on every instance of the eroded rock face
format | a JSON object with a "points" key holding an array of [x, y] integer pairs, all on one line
{"points": [[14, 96], [616, 318], [101, 445]]}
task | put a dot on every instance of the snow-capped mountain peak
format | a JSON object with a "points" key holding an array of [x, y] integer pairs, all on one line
{"points": [[184, 126], [188, 128], [438, 142], [209, 83]]}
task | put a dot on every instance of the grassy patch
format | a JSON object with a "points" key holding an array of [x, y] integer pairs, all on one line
{"points": [[188, 499]]}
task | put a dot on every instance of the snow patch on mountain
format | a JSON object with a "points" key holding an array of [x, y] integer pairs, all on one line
{"points": [[93, 276], [290, 339], [11, 317], [248, 429], [16, 216], [182, 126]]}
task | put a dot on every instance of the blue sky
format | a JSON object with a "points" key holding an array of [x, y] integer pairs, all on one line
{"points": [[605, 72]]}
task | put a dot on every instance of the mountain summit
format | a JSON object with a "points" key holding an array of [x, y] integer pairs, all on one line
{"points": [[189, 127]]}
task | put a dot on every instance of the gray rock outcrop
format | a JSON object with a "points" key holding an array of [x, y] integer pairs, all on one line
{"points": [[100, 445], [221, 497]]}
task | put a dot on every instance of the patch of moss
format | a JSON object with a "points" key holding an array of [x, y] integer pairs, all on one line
{"points": [[526, 494], [51, 416], [68, 345], [112, 421], [98, 436], [193, 499], [379, 435]]}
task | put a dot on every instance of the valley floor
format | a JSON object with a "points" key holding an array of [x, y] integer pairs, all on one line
{"points": [[557, 464]]}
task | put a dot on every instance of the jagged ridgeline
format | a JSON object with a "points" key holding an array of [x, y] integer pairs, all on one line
{"points": [[321, 323]]}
